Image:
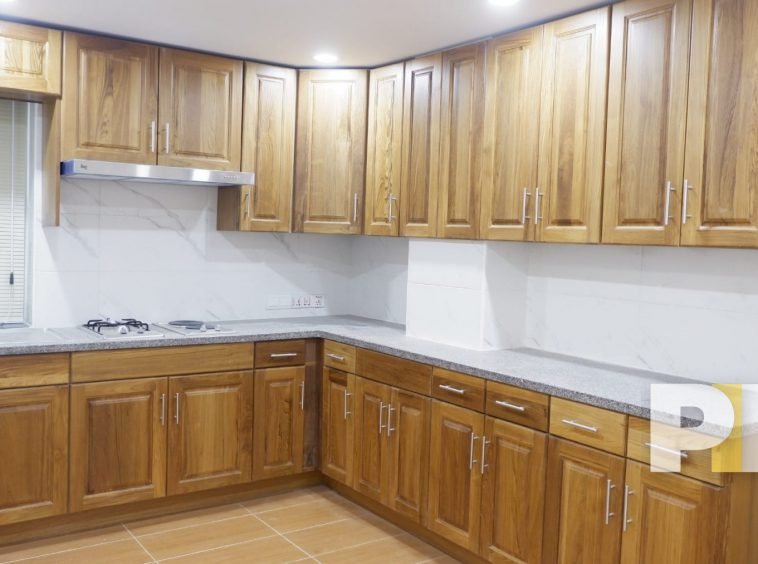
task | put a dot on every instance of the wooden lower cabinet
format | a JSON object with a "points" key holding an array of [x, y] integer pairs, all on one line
{"points": [[278, 422], [337, 400], [514, 461], [118, 442], [583, 509], [370, 453], [210, 431], [454, 474], [34, 462]]}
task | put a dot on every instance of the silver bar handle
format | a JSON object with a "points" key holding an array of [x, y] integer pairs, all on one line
{"points": [[247, 203], [512, 406], [578, 425], [153, 134], [336, 357], [355, 207], [392, 199], [283, 355], [176, 412], [390, 428], [524, 205], [608, 514], [627, 493], [538, 196], [484, 465], [346, 412], [163, 410], [667, 207], [452, 389], [685, 199], [471, 459], [302, 396], [389, 207], [680, 454], [381, 418], [167, 140]]}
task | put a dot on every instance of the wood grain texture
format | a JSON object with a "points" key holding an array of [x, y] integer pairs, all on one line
{"points": [[505, 402], [610, 427], [201, 105], [30, 61], [398, 372], [447, 384], [118, 442], [650, 44], [20, 371], [575, 508], [110, 102], [371, 453], [572, 128], [339, 356], [163, 361], [270, 354], [461, 136], [278, 422], [721, 162], [337, 421], [384, 150], [419, 187], [511, 135], [330, 151], [513, 493], [50, 198], [312, 405], [210, 431], [34, 468], [454, 474]]}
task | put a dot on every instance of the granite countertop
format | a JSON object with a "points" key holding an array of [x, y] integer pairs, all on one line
{"points": [[612, 387]]}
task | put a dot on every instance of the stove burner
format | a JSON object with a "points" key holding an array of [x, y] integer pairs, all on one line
{"points": [[97, 325]]}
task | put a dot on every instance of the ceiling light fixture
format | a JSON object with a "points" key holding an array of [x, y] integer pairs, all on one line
{"points": [[504, 2], [325, 58]]}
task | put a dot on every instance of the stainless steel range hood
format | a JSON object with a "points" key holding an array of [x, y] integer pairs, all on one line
{"points": [[106, 170]]}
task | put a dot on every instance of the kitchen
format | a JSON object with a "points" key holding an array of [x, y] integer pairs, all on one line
{"points": [[395, 289]]}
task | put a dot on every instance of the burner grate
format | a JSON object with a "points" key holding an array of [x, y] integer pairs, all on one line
{"points": [[97, 325]]}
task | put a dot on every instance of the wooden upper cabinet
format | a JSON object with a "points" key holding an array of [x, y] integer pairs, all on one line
{"points": [[662, 507], [110, 106], [721, 162], [210, 431], [118, 442], [568, 203], [384, 150], [462, 124], [583, 508], [337, 401], [200, 111], [34, 468], [647, 93], [511, 135], [421, 145], [30, 61], [330, 151]]}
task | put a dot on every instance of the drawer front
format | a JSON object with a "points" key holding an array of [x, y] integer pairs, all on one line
{"points": [[23, 371], [270, 354], [695, 463], [517, 405], [339, 356], [164, 361], [460, 389], [592, 426], [398, 372]]}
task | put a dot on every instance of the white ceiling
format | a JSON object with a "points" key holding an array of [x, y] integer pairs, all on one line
{"points": [[361, 32]]}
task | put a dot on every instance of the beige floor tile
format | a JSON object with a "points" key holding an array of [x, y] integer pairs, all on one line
{"points": [[67, 542], [121, 552], [309, 515], [340, 535], [205, 536], [186, 519], [264, 551], [398, 550], [289, 499]]}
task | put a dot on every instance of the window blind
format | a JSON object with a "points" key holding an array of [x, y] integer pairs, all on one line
{"points": [[14, 182]]}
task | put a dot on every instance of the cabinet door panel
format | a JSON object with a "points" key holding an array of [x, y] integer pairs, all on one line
{"points": [[572, 128], [210, 431], [370, 454], [462, 126], [278, 422], [408, 422], [118, 442], [331, 150], [454, 475], [111, 103], [650, 42], [383, 159], [337, 425], [200, 110], [584, 486], [512, 110], [421, 145], [721, 164], [672, 519], [513, 493], [30, 60], [34, 465]]}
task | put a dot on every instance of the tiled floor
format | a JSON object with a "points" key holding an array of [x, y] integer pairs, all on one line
{"points": [[309, 525]]}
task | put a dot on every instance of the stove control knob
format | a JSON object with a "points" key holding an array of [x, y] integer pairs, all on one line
{"points": [[123, 330]]}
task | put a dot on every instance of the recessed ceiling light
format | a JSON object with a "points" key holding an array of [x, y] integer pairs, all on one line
{"points": [[326, 58], [504, 2]]}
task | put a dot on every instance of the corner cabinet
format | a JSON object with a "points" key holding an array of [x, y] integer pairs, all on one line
{"points": [[330, 151], [337, 393], [30, 61]]}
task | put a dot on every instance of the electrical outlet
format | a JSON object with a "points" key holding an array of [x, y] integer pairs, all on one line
{"points": [[295, 302], [317, 300]]}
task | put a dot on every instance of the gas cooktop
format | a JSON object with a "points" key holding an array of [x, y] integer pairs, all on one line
{"points": [[195, 327], [120, 329]]}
